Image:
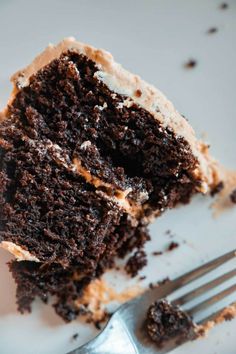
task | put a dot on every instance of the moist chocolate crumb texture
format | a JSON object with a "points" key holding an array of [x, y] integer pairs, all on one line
{"points": [[136, 263], [165, 322], [89, 155], [64, 285]]}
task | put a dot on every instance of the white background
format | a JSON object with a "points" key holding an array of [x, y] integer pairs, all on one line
{"points": [[152, 38]]}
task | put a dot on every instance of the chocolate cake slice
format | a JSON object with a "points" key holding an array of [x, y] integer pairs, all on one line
{"points": [[89, 149]]}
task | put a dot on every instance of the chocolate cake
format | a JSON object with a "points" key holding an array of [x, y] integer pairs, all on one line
{"points": [[89, 155]]}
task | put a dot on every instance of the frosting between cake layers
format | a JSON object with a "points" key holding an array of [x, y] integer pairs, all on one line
{"points": [[97, 182], [118, 196], [123, 82]]}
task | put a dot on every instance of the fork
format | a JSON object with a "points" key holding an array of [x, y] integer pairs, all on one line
{"points": [[124, 333]]}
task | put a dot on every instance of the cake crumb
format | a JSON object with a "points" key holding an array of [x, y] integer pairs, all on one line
{"points": [[212, 30], [138, 93], [163, 281], [224, 6], [97, 325], [217, 189], [172, 246], [228, 317], [169, 233], [233, 196], [157, 253], [190, 64], [165, 321], [136, 263], [75, 336]]}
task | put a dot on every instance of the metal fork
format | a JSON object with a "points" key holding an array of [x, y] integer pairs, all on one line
{"points": [[124, 332]]}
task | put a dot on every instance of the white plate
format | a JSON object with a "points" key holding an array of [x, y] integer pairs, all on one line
{"points": [[153, 38]]}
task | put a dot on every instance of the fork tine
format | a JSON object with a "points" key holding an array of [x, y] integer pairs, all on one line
{"points": [[212, 300], [202, 270], [215, 315], [204, 288]]}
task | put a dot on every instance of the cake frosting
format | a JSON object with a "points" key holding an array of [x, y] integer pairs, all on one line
{"points": [[227, 314]]}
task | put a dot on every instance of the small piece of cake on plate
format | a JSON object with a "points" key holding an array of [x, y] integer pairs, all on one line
{"points": [[90, 154]]}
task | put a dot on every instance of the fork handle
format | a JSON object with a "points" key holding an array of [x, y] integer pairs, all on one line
{"points": [[96, 345], [112, 340]]}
